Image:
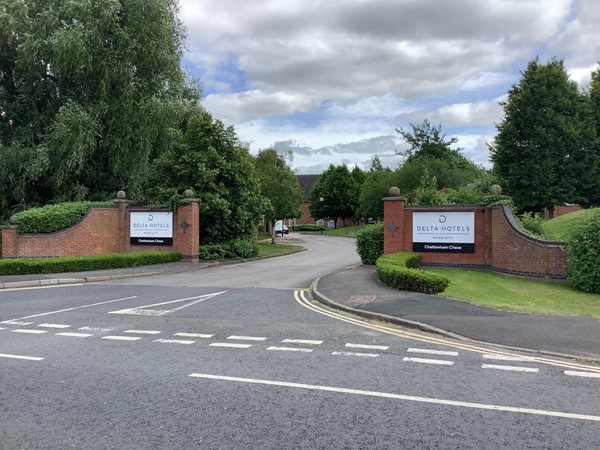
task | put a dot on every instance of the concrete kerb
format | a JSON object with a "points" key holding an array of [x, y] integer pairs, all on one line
{"points": [[314, 288]]}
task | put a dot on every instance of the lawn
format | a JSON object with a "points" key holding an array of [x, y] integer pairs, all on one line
{"points": [[267, 249], [517, 294], [561, 228]]}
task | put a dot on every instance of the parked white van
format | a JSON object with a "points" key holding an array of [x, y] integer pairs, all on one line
{"points": [[279, 226]]}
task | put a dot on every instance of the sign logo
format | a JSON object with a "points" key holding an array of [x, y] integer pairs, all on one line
{"points": [[451, 232]]}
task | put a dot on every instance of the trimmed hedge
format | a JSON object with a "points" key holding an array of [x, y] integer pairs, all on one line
{"points": [[583, 267], [51, 218], [308, 227], [236, 248], [84, 263], [369, 243], [400, 271]]}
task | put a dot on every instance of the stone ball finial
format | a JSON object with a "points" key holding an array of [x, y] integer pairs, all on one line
{"points": [[394, 191], [121, 195], [188, 193], [496, 189], [14, 220]]}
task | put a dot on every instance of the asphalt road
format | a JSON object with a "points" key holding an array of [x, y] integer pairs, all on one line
{"points": [[240, 357]]}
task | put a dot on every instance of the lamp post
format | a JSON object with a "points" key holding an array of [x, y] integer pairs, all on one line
{"points": [[321, 206]]}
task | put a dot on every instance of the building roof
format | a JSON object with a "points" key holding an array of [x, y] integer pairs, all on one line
{"points": [[307, 183]]}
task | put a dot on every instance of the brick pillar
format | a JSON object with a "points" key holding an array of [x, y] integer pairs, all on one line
{"points": [[393, 225], [10, 241], [187, 230], [123, 218]]}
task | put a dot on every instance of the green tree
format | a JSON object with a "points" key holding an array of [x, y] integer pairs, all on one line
{"points": [[545, 152], [88, 91], [336, 188], [278, 185], [209, 158], [373, 191], [426, 140]]}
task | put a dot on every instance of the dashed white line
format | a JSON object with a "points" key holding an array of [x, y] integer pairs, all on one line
{"points": [[510, 368], [229, 345], [2, 328], [53, 325], [368, 347], [576, 373], [291, 349], [432, 352], [70, 334], [195, 335], [142, 331], [29, 331], [302, 341], [95, 329], [14, 322], [247, 338], [367, 355], [506, 357], [121, 338], [439, 362], [27, 358], [174, 341]]}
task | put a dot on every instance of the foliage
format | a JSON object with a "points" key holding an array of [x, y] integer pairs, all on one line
{"points": [[209, 252], [236, 248], [369, 243], [88, 91], [546, 149], [278, 185], [308, 227], [375, 187], [50, 218], [84, 263], [208, 157], [583, 249], [338, 189], [532, 223], [427, 193], [561, 228], [400, 271], [427, 141]]}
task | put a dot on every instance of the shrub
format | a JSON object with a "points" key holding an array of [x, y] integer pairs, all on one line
{"points": [[212, 251], [51, 218], [84, 263], [308, 227], [532, 224], [583, 269], [369, 243], [400, 271], [241, 248]]}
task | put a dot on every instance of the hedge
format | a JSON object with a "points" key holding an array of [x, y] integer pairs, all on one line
{"points": [[400, 271], [369, 243], [84, 263], [51, 218], [583, 250], [236, 248], [308, 227]]}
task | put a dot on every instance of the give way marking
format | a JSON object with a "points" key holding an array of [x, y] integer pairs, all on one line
{"points": [[146, 311]]}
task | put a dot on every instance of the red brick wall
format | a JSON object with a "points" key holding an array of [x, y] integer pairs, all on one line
{"points": [[561, 210], [499, 244], [305, 218]]}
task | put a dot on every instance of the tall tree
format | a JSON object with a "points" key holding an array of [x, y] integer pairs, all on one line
{"points": [[278, 185], [545, 152], [88, 91], [426, 140], [334, 195]]}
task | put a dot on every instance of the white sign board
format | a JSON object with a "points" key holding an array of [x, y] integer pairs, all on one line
{"points": [[446, 232], [151, 228]]}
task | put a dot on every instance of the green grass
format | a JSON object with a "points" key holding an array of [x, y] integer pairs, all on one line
{"points": [[517, 294], [561, 228], [266, 249], [344, 231]]}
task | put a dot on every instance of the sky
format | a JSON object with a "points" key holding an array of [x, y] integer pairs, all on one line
{"points": [[332, 80]]}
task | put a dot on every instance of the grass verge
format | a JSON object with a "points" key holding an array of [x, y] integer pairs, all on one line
{"points": [[266, 249], [561, 228], [517, 294]]}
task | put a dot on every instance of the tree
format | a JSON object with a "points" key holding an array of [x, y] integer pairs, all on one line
{"points": [[426, 140], [373, 191], [88, 91], [545, 152], [279, 185], [336, 188], [208, 157]]}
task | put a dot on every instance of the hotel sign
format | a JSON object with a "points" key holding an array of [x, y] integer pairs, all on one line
{"points": [[444, 232], [151, 228]]}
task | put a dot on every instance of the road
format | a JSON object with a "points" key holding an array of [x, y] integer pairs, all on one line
{"points": [[240, 356]]}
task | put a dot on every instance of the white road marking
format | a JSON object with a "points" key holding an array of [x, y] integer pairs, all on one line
{"points": [[174, 341], [27, 358], [291, 349], [142, 331], [410, 398], [247, 338], [577, 373], [144, 311], [194, 335], [53, 325], [76, 307], [95, 329], [70, 334], [2, 328], [432, 352], [510, 368], [229, 345], [368, 355], [439, 362], [29, 331], [302, 341], [14, 322], [506, 357], [368, 347], [121, 338]]}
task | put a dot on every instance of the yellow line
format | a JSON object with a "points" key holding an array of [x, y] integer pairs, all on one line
{"points": [[300, 297]]}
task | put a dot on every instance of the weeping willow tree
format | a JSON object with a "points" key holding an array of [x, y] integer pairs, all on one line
{"points": [[88, 90]]}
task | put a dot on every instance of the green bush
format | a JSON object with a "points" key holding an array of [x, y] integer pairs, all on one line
{"points": [[532, 224], [51, 218], [399, 271], [369, 243], [212, 251], [84, 263], [583, 267], [308, 227], [236, 248]]}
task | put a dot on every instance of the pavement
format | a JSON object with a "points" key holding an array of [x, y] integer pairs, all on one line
{"points": [[357, 290]]}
